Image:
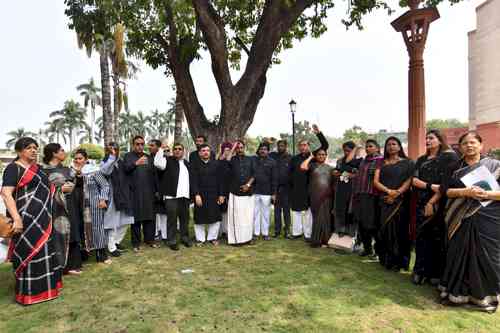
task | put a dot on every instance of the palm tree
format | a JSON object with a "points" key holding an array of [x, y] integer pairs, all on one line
{"points": [[90, 93], [16, 135], [142, 124], [126, 129], [90, 40], [162, 123], [72, 115], [56, 130]]}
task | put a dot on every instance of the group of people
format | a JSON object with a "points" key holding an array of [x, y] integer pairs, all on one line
{"points": [[61, 214]]}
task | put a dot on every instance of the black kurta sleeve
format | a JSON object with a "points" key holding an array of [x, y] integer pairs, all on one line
{"points": [[221, 188], [274, 178], [324, 143], [129, 163], [449, 164], [194, 179]]}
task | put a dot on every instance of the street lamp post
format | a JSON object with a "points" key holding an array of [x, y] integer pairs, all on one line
{"points": [[293, 108]]}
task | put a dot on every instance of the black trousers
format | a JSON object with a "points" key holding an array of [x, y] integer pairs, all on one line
{"points": [[177, 209], [74, 257], [282, 206], [148, 230]]}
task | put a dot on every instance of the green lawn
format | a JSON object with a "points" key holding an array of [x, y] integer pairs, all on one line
{"points": [[275, 286]]}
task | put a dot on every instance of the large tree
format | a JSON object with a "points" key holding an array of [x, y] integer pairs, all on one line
{"points": [[238, 34]]}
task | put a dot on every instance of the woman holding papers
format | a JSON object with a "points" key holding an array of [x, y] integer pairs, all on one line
{"points": [[472, 272]]}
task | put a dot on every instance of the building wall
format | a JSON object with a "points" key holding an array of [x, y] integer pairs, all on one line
{"points": [[484, 74]]}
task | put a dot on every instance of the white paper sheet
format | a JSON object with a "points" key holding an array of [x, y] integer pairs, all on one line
{"points": [[483, 178]]}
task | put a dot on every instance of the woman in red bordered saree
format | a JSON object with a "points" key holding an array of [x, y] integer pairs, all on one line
{"points": [[28, 198]]}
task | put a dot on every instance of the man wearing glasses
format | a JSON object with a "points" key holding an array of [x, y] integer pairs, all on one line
{"points": [[175, 190], [139, 167]]}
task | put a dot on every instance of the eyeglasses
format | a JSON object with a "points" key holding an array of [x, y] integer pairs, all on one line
{"points": [[178, 148]]}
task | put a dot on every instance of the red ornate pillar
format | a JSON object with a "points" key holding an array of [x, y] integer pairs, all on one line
{"points": [[414, 26]]}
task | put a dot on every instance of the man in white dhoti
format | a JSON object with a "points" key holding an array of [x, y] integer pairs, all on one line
{"points": [[241, 201]]}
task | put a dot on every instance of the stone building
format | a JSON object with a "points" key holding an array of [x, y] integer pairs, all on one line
{"points": [[484, 74]]}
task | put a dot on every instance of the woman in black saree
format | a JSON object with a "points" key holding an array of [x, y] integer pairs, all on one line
{"points": [[393, 178], [321, 196], [28, 198], [472, 272], [430, 172]]}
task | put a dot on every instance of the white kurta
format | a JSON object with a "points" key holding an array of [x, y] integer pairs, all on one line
{"points": [[240, 213]]}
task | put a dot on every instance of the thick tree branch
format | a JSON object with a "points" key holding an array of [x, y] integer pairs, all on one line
{"points": [[215, 37], [277, 18], [182, 76]]}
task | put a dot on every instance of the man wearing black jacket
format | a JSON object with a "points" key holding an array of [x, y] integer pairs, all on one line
{"points": [[266, 186], [282, 202], [175, 190], [299, 181]]}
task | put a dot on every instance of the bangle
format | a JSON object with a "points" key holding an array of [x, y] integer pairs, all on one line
{"points": [[428, 186]]}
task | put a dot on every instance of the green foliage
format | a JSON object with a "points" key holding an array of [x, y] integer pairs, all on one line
{"points": [[355, 134], [445, 123], [94, 152]]}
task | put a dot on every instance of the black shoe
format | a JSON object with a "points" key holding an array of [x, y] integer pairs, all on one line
{"points": [[121, 248], [266, 238], [187, 243], [174, 247], [417, 279], [115, 253]]}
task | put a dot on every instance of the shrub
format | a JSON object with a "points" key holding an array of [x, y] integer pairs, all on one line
{"points": [[95, 152]]}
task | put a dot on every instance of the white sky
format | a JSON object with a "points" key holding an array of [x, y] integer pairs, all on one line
{"points": [[343, 78]]}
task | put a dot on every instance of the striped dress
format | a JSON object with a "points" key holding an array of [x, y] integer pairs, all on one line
{"points": [[96, 188]]}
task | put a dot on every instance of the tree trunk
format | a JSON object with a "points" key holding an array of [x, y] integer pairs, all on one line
{"points": [[179, 118], [92, 124], [107, 114], [116, 105]]}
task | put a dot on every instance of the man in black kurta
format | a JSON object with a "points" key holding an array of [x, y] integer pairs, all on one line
{"points": [[299, 180], [207, 188], [139, 167], [282, 202]]}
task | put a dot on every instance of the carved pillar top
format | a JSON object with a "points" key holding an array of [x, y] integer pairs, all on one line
{"points": [[413, 4], [414, 26]]}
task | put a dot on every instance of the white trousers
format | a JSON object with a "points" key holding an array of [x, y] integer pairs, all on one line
{"points": [[302, 223], [161, 226], [223, 225], [262, 215], [211, 234], [240, 219], [115, 236]]}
